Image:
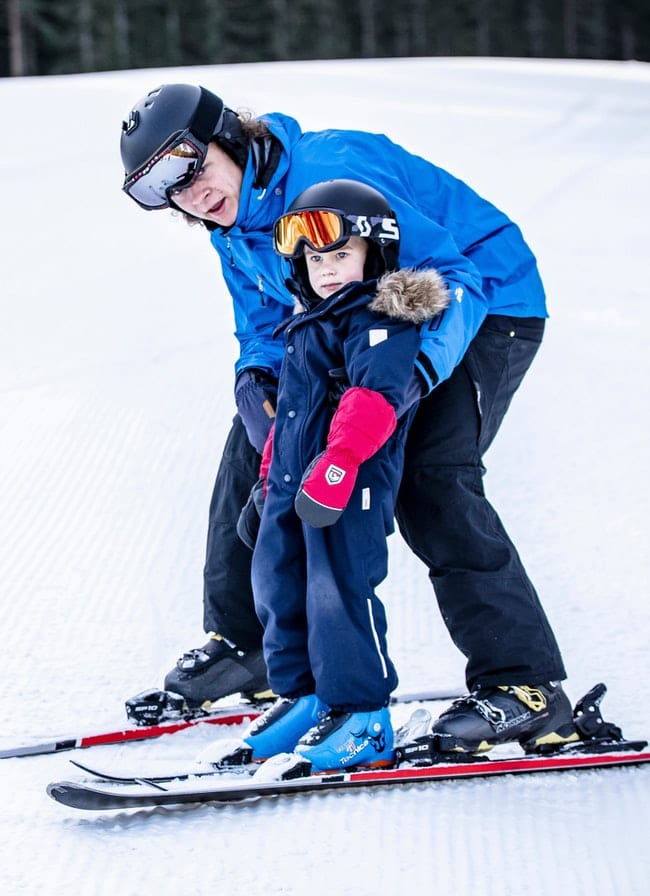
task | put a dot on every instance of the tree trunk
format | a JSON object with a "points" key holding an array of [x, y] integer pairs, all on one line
{"points": [[482, 8], [17, 67], [535, 27], [122, 40], [172, 35], [86, 38], [628, 40], [570, 29], [280, 30], [368, 17]]}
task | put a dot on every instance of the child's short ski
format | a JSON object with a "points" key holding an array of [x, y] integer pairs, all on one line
{"points": [[101, 795]]}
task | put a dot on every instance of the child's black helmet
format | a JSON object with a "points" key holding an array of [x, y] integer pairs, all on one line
{"points": [[326, 215]]}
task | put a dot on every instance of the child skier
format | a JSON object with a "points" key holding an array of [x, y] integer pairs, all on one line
{"points": [[330, 473]]}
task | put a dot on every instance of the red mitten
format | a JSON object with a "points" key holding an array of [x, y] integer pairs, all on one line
{"points": [[267, 454], [363, 422]]}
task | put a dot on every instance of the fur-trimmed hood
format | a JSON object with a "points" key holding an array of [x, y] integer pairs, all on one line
{"points": [[411, 295]]}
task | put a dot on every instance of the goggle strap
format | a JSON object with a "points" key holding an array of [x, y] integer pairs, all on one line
{"points": [[208, 108]]}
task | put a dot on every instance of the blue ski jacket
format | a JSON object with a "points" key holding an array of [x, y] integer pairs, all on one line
{"points": [[444, 224]]}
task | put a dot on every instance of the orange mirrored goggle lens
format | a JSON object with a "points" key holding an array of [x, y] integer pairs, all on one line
{"points": [[321, 229]]}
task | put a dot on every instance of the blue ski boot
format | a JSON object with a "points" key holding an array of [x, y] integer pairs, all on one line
{"points": [[347, 739], [283, 724]]}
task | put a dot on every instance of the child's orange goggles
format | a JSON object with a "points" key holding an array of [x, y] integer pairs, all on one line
{"points": [[321, 229]]}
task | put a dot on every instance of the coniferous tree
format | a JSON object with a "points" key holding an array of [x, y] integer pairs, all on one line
{"points": [[64, 36]]}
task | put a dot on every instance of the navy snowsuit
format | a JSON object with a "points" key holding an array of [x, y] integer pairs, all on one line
{"points": [[324, 627]]}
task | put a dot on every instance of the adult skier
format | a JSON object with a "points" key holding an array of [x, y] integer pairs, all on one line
{"points": [[182, 148]]}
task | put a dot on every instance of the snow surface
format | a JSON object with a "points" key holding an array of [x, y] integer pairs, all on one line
{"points": [[116, 354]]}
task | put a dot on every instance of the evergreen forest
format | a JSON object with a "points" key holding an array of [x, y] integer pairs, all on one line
{"points": [[49, 37]]}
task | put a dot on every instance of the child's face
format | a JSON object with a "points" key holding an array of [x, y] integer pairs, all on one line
{"points": [[330, 271]]}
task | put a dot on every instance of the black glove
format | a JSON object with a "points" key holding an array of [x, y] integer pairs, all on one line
{"points": [[256, 393], [248, 524], [337, 383]]}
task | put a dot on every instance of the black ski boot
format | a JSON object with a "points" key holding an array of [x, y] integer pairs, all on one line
{"points": [[216, 670], [532, 715]]}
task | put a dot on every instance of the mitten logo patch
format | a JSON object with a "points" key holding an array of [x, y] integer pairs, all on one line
{"points": [[334, 475]]}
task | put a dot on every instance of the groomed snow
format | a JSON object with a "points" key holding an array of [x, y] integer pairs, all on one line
{"points": [[116, 354]]}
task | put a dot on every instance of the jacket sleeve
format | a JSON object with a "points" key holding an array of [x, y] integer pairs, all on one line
{"points": [[380, 353], [444, 340], [256, 317]]}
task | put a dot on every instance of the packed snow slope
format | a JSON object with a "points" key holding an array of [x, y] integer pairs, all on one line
{"points": [[116, 353]]}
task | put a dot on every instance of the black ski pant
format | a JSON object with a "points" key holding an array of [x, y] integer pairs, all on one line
{"points": [[487, 601], [228, 606]]}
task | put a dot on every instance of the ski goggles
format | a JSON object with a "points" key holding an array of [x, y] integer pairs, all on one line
{"points": [[172, 167], [327, 229]]}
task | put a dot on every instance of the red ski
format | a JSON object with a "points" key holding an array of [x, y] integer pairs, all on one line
{"points": [[185, 718]]}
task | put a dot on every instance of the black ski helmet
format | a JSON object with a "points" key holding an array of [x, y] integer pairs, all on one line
{"points": [[170, 110], [363, 212]]}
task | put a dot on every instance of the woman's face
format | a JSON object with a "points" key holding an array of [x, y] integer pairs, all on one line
{"points": [[214, 193]]}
